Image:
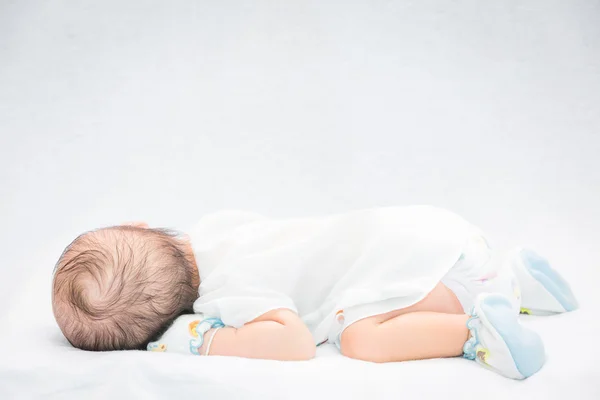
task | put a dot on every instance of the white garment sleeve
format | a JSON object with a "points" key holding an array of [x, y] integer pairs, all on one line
{"points": [[237, 304], [238, 256]]}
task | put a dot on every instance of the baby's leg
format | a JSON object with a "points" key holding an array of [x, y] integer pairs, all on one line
{"points": [[491, 336], [482, 270], [437, 324], [433, 327], [408, 336], [439, 300], [523, 276]]}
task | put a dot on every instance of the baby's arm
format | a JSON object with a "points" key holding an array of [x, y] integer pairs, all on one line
{"points": [[276, 335]]}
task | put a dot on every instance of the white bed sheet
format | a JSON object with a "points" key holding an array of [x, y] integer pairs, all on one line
{"points": [[41, 364], [37, 362]]}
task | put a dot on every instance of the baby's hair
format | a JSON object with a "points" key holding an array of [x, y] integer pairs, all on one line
{"points": [[119, 288]]}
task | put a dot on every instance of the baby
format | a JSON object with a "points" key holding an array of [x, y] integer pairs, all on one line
{"points": [[384, 284]]}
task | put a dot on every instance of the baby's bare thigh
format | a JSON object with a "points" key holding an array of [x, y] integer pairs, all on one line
{"points": [[440, 299]]}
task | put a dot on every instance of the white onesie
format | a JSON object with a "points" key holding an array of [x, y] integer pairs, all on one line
{"points": [[250, 264]]}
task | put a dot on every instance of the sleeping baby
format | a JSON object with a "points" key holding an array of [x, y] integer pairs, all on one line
{"points": [[383, 285]]}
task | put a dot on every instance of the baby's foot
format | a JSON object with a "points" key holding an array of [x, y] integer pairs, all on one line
{"points": [[543, 290], [498, 342]]}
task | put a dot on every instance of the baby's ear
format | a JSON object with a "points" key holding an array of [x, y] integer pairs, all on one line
{"points": [[137, 224]]}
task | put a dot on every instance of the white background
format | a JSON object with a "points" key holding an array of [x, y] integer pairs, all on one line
{"points": [[162, 111]]}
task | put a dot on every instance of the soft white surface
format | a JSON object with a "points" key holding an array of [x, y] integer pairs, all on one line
{"points": [[40, 363], [164, 111]]}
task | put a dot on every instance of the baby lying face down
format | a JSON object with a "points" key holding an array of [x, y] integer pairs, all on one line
{"points": [[382, 285], [118, 288]]}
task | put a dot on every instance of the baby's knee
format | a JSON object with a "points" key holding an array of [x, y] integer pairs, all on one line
{"points": [[358, 342]]}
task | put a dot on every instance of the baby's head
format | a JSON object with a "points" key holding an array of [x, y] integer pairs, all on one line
{"points": [[119, 288]]}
